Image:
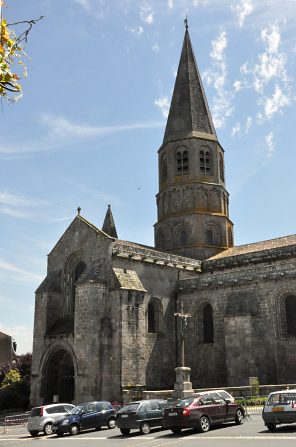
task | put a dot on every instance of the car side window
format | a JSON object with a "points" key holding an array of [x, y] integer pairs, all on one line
{"points": [[91, 408], [206, 400], [152, 406], [105, 406], [68, 408], [53, 410], [143, 408]]}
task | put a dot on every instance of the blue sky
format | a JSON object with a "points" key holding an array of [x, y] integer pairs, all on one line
{"points": [[92, 117]]}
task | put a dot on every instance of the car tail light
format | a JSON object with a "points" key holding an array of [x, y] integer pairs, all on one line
{"points": [[41, 411], [186, 412]]}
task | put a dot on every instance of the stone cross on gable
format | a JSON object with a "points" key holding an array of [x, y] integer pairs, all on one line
{"points": [[184, 321]]}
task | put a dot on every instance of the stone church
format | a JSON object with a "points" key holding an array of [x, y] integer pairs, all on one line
{"points": [[104, 314]]}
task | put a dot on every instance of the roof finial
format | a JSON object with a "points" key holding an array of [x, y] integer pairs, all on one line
{"points": [[186, 22], [78, 211]]}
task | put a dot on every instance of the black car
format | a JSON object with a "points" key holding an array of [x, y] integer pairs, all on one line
{"points": [[201, 412], [141, 415], [85, 416]]}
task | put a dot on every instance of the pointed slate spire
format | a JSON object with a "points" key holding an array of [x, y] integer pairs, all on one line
{"points": [[189, 111], [109, 225]]}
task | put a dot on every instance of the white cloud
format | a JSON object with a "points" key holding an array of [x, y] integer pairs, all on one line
{"points": [[146, 14], [164, 105], [216, 76], [271, 63], [237, 86], [244, 9], [23, 336], [62, 127], [84, 3], [171, 4], [249, 122], [136, 30], [12, 199], [155, 48], [18, 274], [61, 133], [269, 139], [236, 130], [274, 104]]}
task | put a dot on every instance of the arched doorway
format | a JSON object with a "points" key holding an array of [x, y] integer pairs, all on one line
{"points": [[59, 377]]}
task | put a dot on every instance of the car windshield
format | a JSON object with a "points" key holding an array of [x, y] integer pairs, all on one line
{"points": [[129, 407], [185, 402], [77, 410]]}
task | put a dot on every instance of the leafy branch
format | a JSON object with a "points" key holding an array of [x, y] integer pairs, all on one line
{"points": [[12, 53]]}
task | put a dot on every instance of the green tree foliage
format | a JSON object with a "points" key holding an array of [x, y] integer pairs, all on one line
{"points": [[11, 377], [15, 377]]}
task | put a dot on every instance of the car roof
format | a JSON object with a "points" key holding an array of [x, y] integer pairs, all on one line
{"points": [[292, 390]]}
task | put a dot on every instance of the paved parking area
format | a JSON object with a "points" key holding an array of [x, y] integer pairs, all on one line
{"points": [[252, 432]]}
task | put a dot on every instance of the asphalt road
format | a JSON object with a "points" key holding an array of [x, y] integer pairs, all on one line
{"points": [[252, 432]]}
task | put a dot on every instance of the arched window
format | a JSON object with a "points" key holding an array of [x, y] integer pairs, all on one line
{"points": [[221, 167], [154, 316], [208, 326], [210, 239], [205, 162], [80, 267], [230, 238], [160, 240], [291, 315], [163, 169], [74, 268], [182, 162], [183, 238]]}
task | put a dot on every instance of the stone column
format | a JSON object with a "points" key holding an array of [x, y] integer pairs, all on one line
{"points": [[182, 386]]}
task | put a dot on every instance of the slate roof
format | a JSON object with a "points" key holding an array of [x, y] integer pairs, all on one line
{"points": [[128, 279], [257, 246], [189, 113], [109, 224]]}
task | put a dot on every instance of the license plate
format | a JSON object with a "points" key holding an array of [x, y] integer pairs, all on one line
{"points": [[174, 413], [275, 409], [124, 415]]}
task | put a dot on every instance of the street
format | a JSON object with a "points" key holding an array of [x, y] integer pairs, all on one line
{"points": [[251, 432]]}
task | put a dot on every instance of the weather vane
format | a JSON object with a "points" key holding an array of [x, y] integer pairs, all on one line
{"points": [[186, 21]]}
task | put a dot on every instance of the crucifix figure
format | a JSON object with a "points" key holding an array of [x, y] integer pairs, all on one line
{"points": [[184, 322]]}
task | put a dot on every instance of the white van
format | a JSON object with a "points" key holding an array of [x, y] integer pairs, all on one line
{"points": [[280, 408]]}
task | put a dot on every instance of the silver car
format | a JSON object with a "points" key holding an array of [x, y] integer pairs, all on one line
{"points": [[42, 418]]}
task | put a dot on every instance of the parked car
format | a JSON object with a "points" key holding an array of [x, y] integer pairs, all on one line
{"points": [[85, 416], [221, 393], [141, 415], [280, 408], [42, 418], [201, 412]]}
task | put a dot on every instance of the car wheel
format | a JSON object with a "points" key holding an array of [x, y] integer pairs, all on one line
{"points": [[176, 430], [239, 417], [271, 427], [145, 428], [125, 431], [204, 424], [47, 428], [74, 430], [111, 423], [34, 433]]}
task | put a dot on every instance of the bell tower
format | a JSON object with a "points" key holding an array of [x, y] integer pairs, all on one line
{"points": [[192, 202]]}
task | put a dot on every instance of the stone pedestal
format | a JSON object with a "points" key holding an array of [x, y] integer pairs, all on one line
{"points": [[182, 386]]}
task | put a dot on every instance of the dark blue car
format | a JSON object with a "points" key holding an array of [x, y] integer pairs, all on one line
{"points": [[86, 416]]}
